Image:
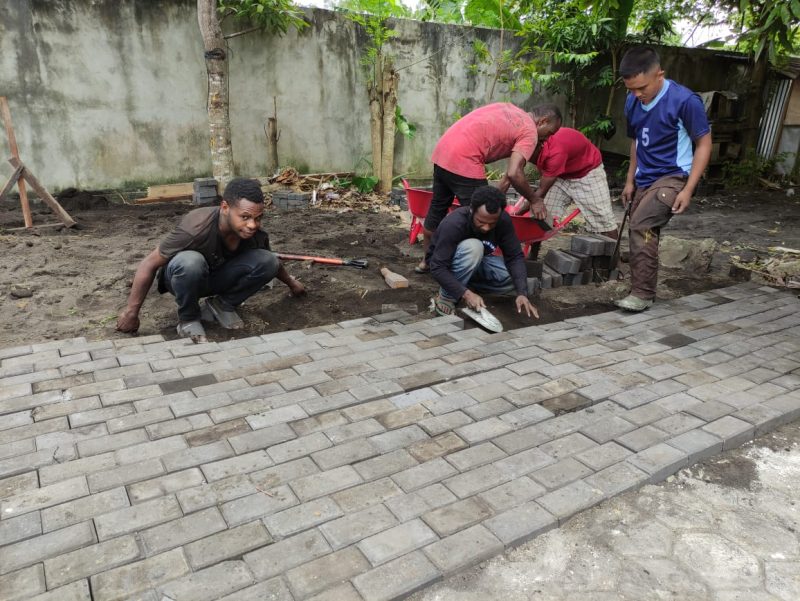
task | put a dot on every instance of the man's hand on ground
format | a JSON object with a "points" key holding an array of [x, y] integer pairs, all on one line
{"points": [[523, 303], [128, 321], [682, 201], [296, 288], [473, 301]]}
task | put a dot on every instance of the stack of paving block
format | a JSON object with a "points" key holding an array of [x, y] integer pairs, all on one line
{"points": [[590, 258], [204, 191], [288, 199]]}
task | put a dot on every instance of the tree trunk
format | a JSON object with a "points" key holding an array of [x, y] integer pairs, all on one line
{"points": [[374, 90], [755, 103], [217, 70], [390, 78], [272, 139]]}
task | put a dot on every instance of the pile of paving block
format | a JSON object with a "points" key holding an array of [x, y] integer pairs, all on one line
{"points": [[204, 192], [289, 199], [589, 259]]}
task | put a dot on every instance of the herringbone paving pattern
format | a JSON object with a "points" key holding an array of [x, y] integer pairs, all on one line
{"points": [[365, 459]]}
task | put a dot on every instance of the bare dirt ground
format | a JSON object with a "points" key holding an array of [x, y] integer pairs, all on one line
{"points": [[60, 283]]}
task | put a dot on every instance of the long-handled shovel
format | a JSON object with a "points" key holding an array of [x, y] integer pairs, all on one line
{"points": [[359, 263], [615, 256]]}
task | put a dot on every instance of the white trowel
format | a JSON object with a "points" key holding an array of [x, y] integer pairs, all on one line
{"points": [[484, 318]]}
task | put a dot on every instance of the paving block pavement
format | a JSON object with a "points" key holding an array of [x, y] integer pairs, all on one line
{"points": [[367, 459]]}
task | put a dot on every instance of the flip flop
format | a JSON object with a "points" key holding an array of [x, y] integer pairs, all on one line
{"points": [[193, 330], [422, 270], [443, 307], [227, 318]]}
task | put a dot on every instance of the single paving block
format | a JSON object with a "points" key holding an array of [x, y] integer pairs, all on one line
{"points": [[618, 478], [697, 444], [87, 561], [227, 544], [396, 541], [585, 259], [733, 432], [660, 461], [457, 516], [325, 572], [409, 506], [137, 517], [511, 494], [355, 526], [209, 584], [397, 579], [324, 483], [424, 474], [20, 528], [588, 245], [562, 262], [570, 499], [182, 531], [555, 277], [557, 475], [463, 549], [302, 517], [274, 559], [24, 583], [85, 508], [76, 591], [262, 503], [520, 524], [128, 580], [35, 550]]}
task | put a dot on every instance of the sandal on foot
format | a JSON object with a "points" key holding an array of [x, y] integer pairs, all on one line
{"points": [[193, 330], [422, 270], [227, 318], [443, 306], [633, 303]]}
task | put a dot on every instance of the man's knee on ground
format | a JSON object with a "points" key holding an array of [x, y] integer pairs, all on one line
{"points": [[471, 249], [265, 265]]}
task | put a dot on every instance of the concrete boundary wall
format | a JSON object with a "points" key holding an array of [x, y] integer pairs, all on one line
{"points": [[112, 93]]}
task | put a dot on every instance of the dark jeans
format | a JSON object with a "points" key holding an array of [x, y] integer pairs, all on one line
{"points": [[446, 187], [189, 278], [651, 210]]}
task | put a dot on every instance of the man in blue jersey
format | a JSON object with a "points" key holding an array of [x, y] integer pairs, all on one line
{"points": [[664, 120]]}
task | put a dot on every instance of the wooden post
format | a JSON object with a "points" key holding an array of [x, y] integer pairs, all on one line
{"points": [[42, 192], [5, 113]]}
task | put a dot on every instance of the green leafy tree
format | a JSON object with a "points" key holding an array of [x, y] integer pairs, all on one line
{"points": [[271, 16]]}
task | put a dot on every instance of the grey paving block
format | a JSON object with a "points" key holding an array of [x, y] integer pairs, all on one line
{"points": [[243, 464], [365, 427], [17, 484], [601, 457], [396, 541], [272, 560], [77, 591], [182, 531], [325, 572], [567, 445], [763, 417], [112, 442], [302, 517], [588, 245], [424, 474], [607, 428], [227, 544], [483, 430], [396, 439], [697, 444], [384, 465], [128, 580], [274, 590], [46, 496], [344, 454], [214, 493], [137, 517], [20, 528], [519, 464], [562, 262], [84, 508], [659, 461], [283, 473], [642, 438], [457, 516], [356, 526], [23, 584], [733, 432], [511, 494], [445, 422], [397, 579], [520, 524], [28, 552], [262, 503], [87, 561], [125, 474], [618, 478], [260, 439], [324, 483], [463, 549], [475, 456], [364, 495], [438, 446], [557, 475], [570, 499], [476, 480], [210, 583], [50, 474], [412, 505]]}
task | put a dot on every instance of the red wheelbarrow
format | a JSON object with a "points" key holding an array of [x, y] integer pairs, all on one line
{"points": [[533, 231], [419, 201]]}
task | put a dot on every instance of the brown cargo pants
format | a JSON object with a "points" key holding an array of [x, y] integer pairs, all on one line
{"points": [[651, 210]]}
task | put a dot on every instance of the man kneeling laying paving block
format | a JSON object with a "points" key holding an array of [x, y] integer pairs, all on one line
{"points": [[460, 255], [216, 252]]}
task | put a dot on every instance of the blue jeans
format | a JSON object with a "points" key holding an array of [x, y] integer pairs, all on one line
{"points": [[479, 272], [189, 278]]}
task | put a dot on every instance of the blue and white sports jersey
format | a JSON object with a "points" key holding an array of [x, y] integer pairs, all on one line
{"points": [[664, 130]]}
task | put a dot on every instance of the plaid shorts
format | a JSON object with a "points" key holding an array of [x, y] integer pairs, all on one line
{"points": [[590, 193]]}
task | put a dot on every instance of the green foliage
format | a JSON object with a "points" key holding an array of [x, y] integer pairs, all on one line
{"points": [[744, 173], [273, 16], [602, 126], [403, 125]]}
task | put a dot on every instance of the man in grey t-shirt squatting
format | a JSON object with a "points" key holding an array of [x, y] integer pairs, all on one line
{"points": [[216, 252]]}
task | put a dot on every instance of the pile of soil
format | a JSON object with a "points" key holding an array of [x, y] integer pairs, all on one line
{"points": [[61, 283]]}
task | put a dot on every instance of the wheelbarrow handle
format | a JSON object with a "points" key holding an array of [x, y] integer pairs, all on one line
{"points": [[359, 263]]}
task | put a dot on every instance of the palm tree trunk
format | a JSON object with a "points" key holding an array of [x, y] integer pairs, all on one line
{"points": [[218, 111], [390, 77]]}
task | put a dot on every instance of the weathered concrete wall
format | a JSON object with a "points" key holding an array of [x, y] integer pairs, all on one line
{"points": [[110, 92]]}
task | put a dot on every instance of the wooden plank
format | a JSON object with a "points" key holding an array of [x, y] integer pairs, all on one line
{"points": [[43, 193], [10, 184], [5, 113], [152, 199], [40, 226], [171, 190]]}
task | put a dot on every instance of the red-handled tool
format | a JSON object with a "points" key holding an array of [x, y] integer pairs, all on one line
{"points": [[359, 263]]}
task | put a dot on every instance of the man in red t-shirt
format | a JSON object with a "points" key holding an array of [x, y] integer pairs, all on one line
{"points": [[571, 170], [487, 134]]}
